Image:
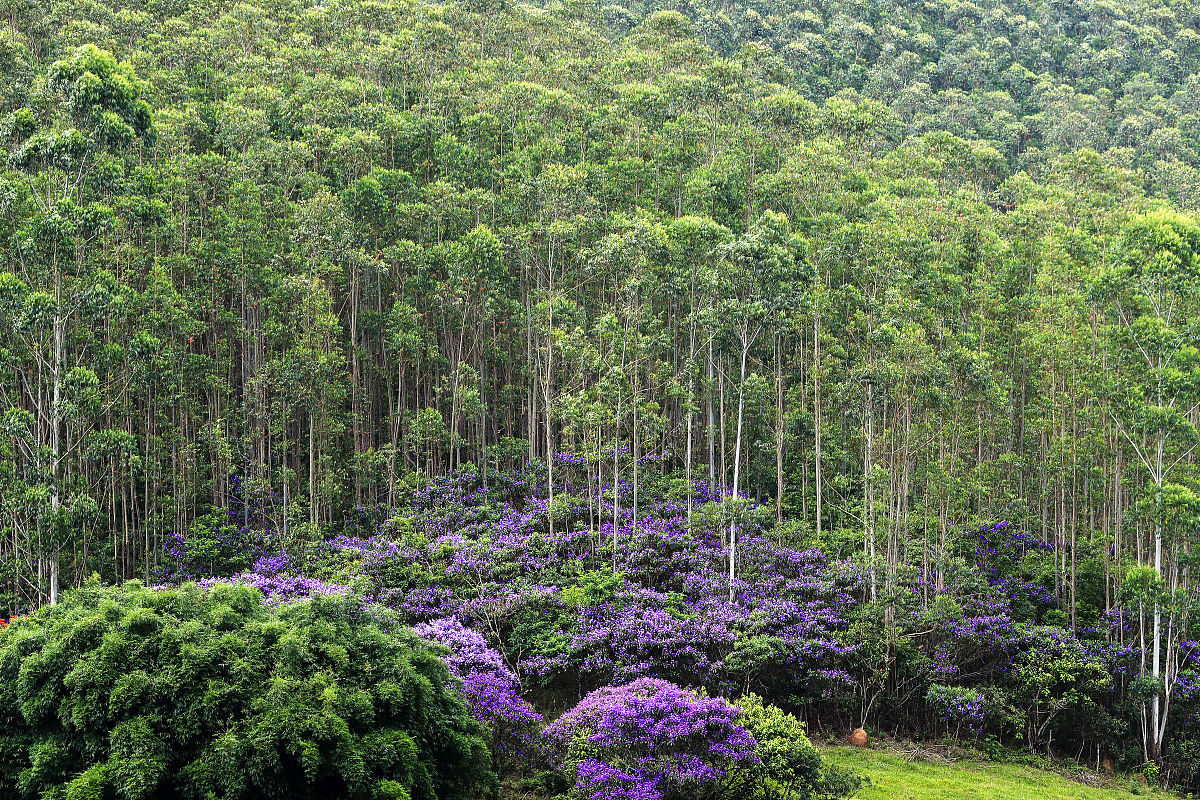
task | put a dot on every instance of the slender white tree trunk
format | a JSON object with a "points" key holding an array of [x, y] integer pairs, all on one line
{"points": [[737, 462], [817, 415]]}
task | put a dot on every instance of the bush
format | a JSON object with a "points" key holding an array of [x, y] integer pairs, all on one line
{"points": [[215, 545], [650, 740], [958, 707], [788, 766], [492, 692], [139, 693]]}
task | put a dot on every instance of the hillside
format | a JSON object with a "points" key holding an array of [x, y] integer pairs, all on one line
{"points": [[839, 360], [1031, 79]]}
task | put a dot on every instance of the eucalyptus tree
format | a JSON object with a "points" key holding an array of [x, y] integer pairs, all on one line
{"points": [[694, 247], [1152, 300], [69, 146], [756, 267]]}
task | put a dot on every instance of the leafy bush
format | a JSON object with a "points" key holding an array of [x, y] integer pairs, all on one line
{"points": [[958, 706], [788, 766], [141, 693], [216, 545]]}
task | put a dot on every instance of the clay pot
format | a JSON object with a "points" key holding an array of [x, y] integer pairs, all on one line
{"points": [[858, 738]]}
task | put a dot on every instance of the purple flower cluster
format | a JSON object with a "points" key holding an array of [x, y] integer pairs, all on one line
{"points": [[224, 541], [670, 614], [648, 739], [278, 588], [597, 780], [490, 689], [469, 651], [1004, 554], [280, 580], [958, 706]]}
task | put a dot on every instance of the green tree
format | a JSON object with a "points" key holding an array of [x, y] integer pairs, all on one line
{"points": [[1152, 295], [139, 693], [68, 145]]}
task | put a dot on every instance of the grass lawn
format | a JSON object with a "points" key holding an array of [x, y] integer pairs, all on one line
{"points": [[894, 777]]}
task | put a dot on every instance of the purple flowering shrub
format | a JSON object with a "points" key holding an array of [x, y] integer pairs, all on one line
{"points": [[392, 566], [224, 541], [599, 780], [491, 691], [216, 545], [1014, 563], [280, 581], [651, 740], [958, 707], [469, 651], [570, 613], [642, 632], [664, 611], [608, 595]]}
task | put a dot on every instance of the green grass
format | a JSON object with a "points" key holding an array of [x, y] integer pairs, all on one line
{"points": [[895, 777]]}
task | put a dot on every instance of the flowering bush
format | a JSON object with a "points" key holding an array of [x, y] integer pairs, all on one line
{"points": [[222, 542], [491, 691], [569, 611], [958, 707], [216, 545], [598, 780], [651, 740], [279, 581]]}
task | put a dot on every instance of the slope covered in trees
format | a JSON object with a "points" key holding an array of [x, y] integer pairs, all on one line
{"points": [[1030, 79], [898, 275]]}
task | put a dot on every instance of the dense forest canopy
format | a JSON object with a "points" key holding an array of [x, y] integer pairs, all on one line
{"points": [[892, 274], [1029, 79]]}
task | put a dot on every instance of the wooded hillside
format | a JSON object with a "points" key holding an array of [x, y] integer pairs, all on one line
{"points": [[893, 273]]}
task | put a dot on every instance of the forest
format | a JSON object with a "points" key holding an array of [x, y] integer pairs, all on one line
{"points": [[819, 364]]}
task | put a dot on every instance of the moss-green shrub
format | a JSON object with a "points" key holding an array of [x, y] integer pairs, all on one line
{"points": [[789, 767]]}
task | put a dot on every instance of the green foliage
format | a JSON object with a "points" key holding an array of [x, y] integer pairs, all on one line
{"points": [[789, 766], [901, 267], [592, 587], [1053, 675], [142, 693]]}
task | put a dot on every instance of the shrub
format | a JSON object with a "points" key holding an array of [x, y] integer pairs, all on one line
{"points": [[958, 707], [492, 692], [216, 545], [140, 693], [788, 766], [650, 740]]}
